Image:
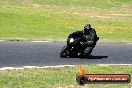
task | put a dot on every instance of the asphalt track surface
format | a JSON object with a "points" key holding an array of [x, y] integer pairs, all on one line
{"points": [[17, 54]]}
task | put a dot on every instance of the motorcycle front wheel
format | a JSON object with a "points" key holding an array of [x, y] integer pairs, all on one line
{"points": [[63, 52]]}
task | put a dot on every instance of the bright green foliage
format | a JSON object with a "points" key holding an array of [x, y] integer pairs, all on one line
{"points": [[55, 19]]}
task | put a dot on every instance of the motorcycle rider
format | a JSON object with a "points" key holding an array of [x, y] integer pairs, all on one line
{"points": [[86, 41], [90, 38]]}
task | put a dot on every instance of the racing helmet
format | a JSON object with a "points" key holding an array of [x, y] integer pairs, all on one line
{"points": [[87, 27]]}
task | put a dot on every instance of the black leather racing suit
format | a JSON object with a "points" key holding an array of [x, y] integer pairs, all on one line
{"points": [[89, 40]]}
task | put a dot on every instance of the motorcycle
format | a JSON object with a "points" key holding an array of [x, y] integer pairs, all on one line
{"points": [[74, 47]]}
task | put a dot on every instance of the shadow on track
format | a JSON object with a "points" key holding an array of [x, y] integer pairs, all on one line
{"points": [[89, 57], [95, 57]]}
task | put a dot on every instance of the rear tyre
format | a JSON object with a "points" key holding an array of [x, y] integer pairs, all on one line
{"points": [[63, 53], [88, 51]]}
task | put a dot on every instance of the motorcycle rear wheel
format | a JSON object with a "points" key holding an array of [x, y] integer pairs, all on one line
{"points": [[88, 51]]}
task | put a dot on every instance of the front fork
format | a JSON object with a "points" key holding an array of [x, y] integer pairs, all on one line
{"points": [[69, 49]]}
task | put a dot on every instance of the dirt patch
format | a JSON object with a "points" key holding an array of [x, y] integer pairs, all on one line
{"points": [[81, 14], [105, 17], [26, 2], [120, 15], [112, 16], [125, 5], [36, 5]]}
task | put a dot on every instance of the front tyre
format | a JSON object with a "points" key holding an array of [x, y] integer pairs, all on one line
{"points": [[63, 53]]}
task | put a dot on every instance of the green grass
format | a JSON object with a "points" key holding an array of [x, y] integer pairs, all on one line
{"points": [[59, 77], [55, 19]]}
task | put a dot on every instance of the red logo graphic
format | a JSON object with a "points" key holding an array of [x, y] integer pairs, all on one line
{"points": [[83, 78]]}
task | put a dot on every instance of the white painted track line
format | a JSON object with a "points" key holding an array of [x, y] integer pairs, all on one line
{"points": [[57, 66], [38, 67], [40, 41]]}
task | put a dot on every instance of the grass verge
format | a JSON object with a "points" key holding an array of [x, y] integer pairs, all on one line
{"points": [[59, 77], [56, 19]]}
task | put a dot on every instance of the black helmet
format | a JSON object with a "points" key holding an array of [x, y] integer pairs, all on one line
{"points": [[87, 27]]}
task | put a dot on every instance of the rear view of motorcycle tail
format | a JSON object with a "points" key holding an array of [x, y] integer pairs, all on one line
{"points": [[80, 43]]}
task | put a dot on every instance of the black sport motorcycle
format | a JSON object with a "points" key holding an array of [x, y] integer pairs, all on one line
{"points": [[74, 47]]}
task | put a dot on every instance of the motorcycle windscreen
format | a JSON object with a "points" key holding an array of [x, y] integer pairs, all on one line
{"points": [[76, 35]]}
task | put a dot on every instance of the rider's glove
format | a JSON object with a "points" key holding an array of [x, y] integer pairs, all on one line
{"points": [[82, 43], [86, 43], [89, 42]]}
